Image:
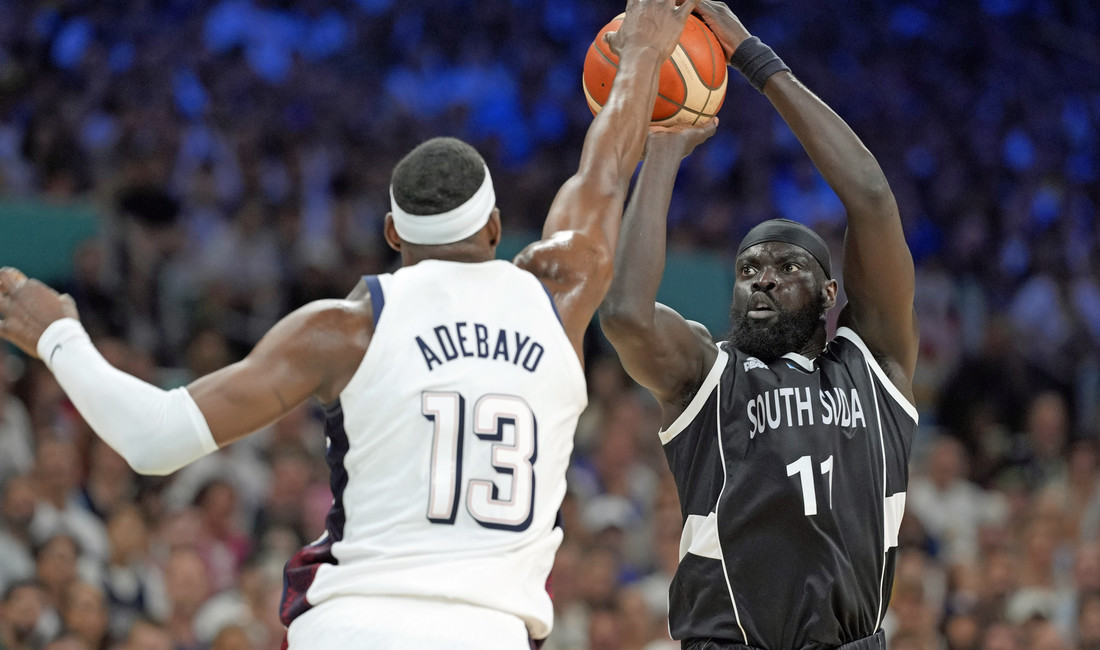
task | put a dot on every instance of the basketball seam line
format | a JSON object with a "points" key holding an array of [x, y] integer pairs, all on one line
{"points": [[683, 83], [698, 74], [614, 64]]}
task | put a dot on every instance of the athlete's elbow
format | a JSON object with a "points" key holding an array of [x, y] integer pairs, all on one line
{"points": [[873, 190], [621, 318]]}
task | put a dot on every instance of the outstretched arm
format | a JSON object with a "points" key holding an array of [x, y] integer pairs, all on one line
{"points": [[658, 348], [878, 267], [310, 352], [574, 258], [879, 278]]}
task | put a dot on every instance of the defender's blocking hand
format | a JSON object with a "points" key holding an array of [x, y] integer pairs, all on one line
{"points": [[27, 308], [651, 23]]}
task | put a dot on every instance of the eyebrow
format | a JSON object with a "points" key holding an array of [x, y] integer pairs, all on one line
{"points": [[794, 254], [799, 256]]}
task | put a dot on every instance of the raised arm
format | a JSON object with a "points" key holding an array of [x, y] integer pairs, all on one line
{"points": [[879, 278], [878, 267], [574, 258], [658, 348], [311, 352]]}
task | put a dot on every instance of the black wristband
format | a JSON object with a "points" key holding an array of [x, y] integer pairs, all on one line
{"points": [[757, 62]]}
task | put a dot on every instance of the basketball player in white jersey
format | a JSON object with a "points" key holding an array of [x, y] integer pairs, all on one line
{"points": [[452, 388], [789, 450]]}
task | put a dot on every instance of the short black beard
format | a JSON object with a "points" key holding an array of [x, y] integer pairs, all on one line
{"points": [[789, 331]]}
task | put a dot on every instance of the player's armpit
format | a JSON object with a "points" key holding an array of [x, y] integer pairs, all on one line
{"points": [[667, 354], [893, 344], [314, 351]]}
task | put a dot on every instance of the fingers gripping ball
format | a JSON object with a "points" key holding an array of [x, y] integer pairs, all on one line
{"points": [[692, 82]]}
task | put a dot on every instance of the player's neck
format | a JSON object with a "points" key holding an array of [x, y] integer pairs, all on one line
{"points": [[815, 346], [459, 252]]}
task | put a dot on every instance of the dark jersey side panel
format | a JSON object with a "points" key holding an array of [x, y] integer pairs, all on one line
{"points": [[698, 591]]}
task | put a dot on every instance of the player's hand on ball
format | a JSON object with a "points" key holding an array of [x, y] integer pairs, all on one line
{"points": [[651, 23], [725, 25], [28, 307], [681, 138], [692, 81]]}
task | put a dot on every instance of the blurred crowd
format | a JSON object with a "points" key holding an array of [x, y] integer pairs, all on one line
{"points": [[239, 152]]}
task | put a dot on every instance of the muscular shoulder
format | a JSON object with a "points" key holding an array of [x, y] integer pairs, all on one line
{"points": [[576, 269], [331, 336], [566, 257], [339, 317]]}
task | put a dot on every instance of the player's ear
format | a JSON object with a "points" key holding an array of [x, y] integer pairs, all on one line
{"points": [[390, 232], [830, 289], [494, 227]]}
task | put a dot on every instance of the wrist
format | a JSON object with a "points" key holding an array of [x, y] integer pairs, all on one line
{"points": [[735, 42], [56, 335], [668, 145], [641, 53], [757, 62]]}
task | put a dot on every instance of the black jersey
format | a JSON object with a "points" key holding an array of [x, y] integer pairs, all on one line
{"points": [[792, 479]]}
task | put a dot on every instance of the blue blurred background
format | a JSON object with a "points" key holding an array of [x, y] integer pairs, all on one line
{"points": [[190, 171]]}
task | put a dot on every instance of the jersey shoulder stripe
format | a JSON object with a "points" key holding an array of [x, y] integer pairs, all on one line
{"points": [[697, 402], [377, 296], [850, 335]]}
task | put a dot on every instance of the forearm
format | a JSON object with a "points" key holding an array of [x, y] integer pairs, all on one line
{"points": [[837, 152], [640, 255], [617, 137], [592, 200], [878, 267], [156, 431], [839, 155]]}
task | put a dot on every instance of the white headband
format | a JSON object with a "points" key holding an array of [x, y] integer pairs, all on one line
{"points": [[446, 227]]}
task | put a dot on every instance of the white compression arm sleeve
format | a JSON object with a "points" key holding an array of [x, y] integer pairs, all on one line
{"points": [[155, 430]]}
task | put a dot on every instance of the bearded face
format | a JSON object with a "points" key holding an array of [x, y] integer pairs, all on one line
{"points": [[779, 301], [788, 330]]}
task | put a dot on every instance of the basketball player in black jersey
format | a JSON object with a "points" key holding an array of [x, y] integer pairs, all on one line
{"points": [[789, 449]]}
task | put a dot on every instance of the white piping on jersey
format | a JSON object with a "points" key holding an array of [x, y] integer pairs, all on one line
{"points": [[725, 477], [698, 401], [700, 537], [906, 405], [882, 445], [803, 362]]}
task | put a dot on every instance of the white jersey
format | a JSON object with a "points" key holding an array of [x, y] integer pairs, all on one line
{"points": [[448, 448]]}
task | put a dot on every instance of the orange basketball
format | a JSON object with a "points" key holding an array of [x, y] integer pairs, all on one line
{"points": [[692, 83]]}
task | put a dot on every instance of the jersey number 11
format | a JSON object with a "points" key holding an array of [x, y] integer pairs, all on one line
{"points": [[804, 468]]}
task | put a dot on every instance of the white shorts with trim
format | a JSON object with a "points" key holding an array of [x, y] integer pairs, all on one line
{"points": [[395, 623]]}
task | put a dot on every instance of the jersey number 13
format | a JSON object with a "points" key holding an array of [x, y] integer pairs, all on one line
{"points": [[508, 425]]}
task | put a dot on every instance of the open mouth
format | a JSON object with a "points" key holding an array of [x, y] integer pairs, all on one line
{"points": [[760, 306]]}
